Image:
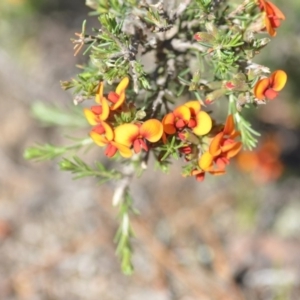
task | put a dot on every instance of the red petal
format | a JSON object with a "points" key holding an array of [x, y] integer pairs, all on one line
{"points": [[96, 109], [180, 124], [113, 97], [271, 94], [273, 10], [137, 146], [110, 150], [221, 162], [99, 129]]}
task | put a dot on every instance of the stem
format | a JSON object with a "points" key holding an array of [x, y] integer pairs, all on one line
{"points": [[239, 9]]}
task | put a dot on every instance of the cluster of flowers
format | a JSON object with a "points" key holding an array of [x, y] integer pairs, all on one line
{"points": [[115, 125], [206, 146], [272, 16]]}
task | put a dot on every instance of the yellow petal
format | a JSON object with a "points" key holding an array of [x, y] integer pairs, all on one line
{"points": [[278, 80], [90, 116], [124, 151], [120, 101], [206, 161], [105, 109], [109, 134], [204, 123], [122, 85], [152, 130], [182, 112], [100, 140], [194, 106], [125, 134], [99, 94]]}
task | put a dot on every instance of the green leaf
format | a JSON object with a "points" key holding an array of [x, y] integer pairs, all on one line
{"points": [[81, 169], [50, 115]]}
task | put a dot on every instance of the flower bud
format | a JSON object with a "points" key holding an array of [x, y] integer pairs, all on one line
{"points": [[211, 97], [205, 38], [214, 85], [140, 114], [261, 43], [212, 29]]}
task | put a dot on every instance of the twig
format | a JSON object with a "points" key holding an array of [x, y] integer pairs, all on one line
{"points": [[238, 9]]}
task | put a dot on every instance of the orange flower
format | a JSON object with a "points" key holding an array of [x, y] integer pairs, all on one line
{"points": [[176, 120], [136, 134], [273, 16], [187, 115], [269, 87], [100, 112], [221, 149], [103, 135], [200, 121]]}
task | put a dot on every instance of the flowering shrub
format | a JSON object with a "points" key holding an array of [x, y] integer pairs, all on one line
{"points": [[158, 72]]}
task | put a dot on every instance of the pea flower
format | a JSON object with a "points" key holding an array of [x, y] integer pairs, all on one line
{"points": [[103, 135], [200, 122], [101, 112], [269, 87], [115, 98], [273, 16], [187, 115], [135, 135], [221, 149], [176, 120]]}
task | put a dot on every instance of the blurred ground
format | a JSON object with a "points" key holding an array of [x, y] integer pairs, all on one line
{"points": [[228, 238]]}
